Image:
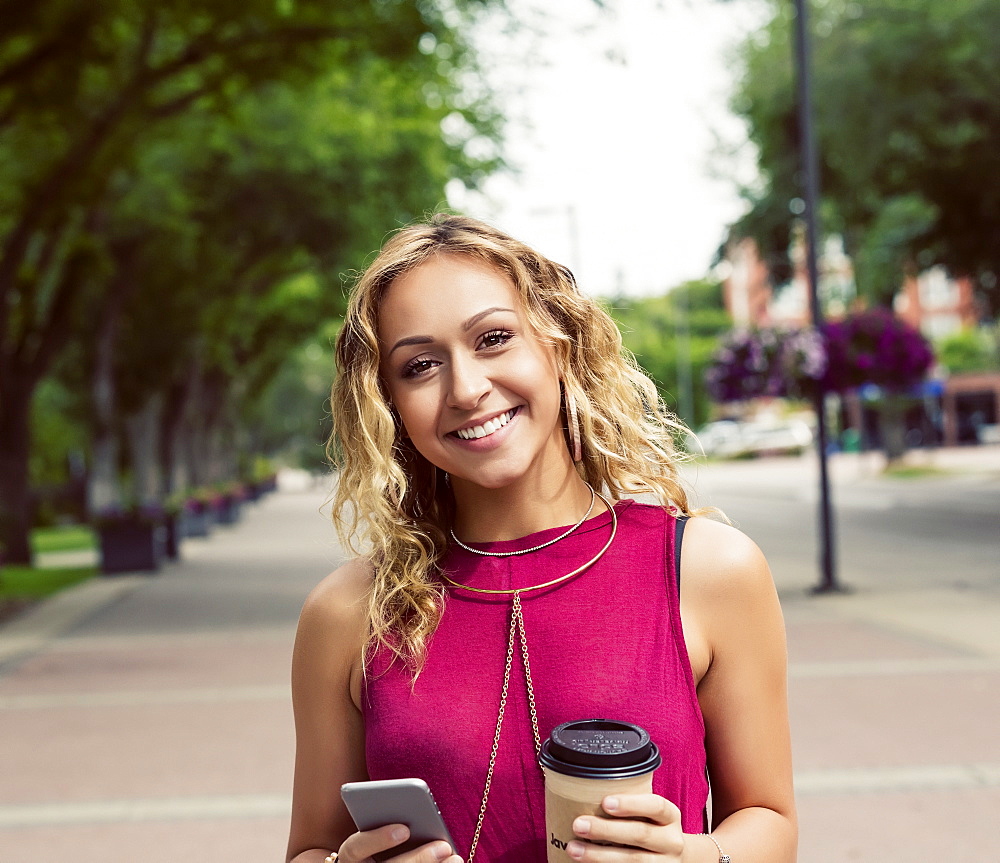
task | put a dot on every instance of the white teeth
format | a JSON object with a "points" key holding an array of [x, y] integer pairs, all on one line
{"points": [[487, 428]]}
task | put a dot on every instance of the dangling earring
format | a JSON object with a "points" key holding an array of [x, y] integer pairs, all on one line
{"points": [[573, 427]]}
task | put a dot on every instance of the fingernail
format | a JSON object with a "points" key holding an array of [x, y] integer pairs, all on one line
{"points": [[575, 850], [581, 827], [610, 804], [398, 834], [442, 852]]}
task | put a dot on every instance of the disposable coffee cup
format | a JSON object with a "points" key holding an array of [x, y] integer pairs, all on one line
{"points": [[584, 762]]}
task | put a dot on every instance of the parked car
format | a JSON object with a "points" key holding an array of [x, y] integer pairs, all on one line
{"points": [[734, 439]]}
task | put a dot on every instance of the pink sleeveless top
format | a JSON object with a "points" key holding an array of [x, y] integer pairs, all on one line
{"points": [[606, 644]]}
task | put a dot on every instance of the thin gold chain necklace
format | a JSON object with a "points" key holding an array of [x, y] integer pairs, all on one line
{"points": [[517, 632]]}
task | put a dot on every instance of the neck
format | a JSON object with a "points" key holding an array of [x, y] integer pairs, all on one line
{"points": [[495, 515]]}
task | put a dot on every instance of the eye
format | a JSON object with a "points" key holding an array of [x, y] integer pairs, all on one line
{"points": [[416, 367], [495, 338]]}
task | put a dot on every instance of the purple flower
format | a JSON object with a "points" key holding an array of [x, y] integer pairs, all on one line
{"points": [[875, 347], [765, 362]]}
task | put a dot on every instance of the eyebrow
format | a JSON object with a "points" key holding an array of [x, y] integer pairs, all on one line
{"points": [[468, 325]]}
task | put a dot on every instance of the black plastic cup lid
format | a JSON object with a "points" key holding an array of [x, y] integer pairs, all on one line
{"points": [[600, 749]]}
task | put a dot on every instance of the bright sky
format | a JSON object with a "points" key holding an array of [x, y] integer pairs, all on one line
{"points": [[618, 122]]}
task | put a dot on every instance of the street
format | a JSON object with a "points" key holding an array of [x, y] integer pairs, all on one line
{"points": [[938, 530]]}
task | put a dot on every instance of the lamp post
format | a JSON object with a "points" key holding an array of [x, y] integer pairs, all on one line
{"points": [[810, 169]]}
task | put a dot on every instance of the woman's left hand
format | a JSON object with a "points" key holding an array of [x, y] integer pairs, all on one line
{"points": [[648, 823]]}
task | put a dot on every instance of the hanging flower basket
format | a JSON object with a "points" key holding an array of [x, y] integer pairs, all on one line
{"points": [[766, 363]]}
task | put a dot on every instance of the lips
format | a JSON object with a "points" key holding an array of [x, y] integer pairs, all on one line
{"points": [[487, 428]]}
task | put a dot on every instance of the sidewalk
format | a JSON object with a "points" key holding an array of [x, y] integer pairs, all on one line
{"points": [[150, 718], [147, 718]]}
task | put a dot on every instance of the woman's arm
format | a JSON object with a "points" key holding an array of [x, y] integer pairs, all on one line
{"points": [[329, 729], [736, 639]]}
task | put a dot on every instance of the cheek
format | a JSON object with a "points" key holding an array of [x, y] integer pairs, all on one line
{"points": [[537, 376], [417, 412]]}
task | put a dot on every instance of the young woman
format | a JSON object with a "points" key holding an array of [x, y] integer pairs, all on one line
{"points": [[489, 430]]}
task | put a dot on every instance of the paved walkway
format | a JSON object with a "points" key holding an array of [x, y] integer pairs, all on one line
{"points": [[147, 718]]}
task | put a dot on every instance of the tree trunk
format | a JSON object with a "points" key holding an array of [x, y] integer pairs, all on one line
{"points": [[15, 489], [104, 489], [142, 432], [211, 424], [174, 472]]}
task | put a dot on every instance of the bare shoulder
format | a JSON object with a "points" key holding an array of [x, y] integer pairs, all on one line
{"points": [[333, 621], [719, 560], [340, 596]]}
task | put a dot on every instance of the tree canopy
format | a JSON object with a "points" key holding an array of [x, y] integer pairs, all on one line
{"points": [[907, 111], [185, 184], [673, 338]]}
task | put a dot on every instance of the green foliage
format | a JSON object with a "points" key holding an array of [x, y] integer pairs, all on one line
{"points": [[910, 168], [971, 350], [654, 330], [184, 184], [58, 432], [291, 419]]}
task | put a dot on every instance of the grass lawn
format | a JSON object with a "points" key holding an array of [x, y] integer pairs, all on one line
{"points": [[74, 537], [35, 583], [914, 471]]}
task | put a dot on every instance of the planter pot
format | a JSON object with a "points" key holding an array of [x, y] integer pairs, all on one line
{"points": [[228, 512], [197, 524], [131, 547]]}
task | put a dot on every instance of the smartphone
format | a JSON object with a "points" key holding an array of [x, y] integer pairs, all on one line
{"points": [[396, 801]]}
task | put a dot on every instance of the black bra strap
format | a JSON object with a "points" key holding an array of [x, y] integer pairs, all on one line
{"points": [[679, 523]]}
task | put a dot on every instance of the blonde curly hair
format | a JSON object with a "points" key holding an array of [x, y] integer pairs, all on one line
{"points": [[391, 505]]}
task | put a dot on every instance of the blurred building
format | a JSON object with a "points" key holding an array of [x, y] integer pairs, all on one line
{"points": [[753, 301], [937, 304]]}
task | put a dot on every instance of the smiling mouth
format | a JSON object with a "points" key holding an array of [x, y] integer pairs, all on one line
{"points": [[487, 428]]}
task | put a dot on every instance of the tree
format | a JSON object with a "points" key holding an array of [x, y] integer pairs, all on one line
{"points": [[672, 337], [971, 350], [91, 93], [907, 110]]}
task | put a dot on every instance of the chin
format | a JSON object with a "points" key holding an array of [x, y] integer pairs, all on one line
{"points": [[494, 479]]}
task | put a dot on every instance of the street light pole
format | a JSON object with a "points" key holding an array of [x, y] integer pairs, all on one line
{"points": [[810, 168]]}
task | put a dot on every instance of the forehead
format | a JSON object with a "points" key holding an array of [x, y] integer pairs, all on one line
{"points": [[443, 292]]}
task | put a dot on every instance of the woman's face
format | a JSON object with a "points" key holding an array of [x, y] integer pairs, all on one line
{"points": [[476, 390]]}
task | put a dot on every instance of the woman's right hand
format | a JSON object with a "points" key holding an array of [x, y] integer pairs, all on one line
{"points": [[360, 847]]}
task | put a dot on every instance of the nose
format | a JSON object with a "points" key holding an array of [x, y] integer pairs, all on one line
{"points": [[468, 384]]}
